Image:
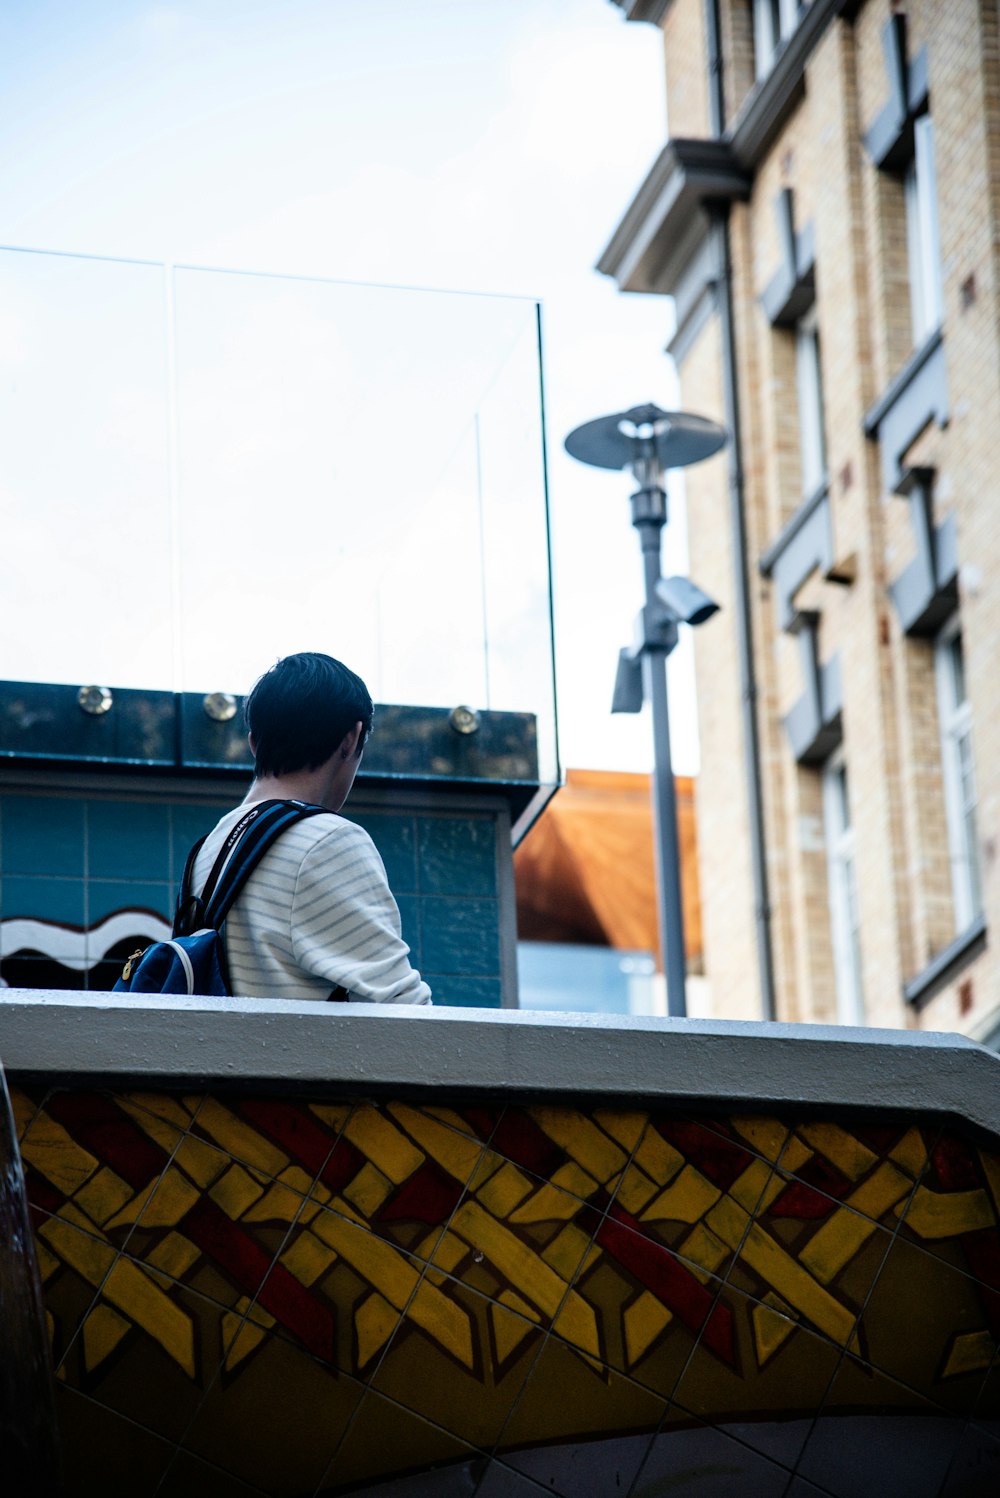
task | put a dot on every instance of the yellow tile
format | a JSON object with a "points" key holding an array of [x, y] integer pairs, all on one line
{"points": [[175, 1110], [131, 1290], [643, 1321], [296, 1179], [368, 1190], [455, 1153], [971, 1352], [795, 1154], [705, 1249], [509, 1333], [765, 1135], [102, 1332], [334, 1115], [788, 1277], [449, 1252], [835, 1244], [240, 1139], [850, 1156], [882, 1190], [380, 1141], [80, 1251], [503, 1191], [23, 1109], [446, 1322], [991, 1170], [686, 1200], [174, 1254], [307, 1258], [278, 1204], [448, 1116], [375, 1320], [47, 1262], [201, 1161], [133, 1210], [625, 1127], [515, 1303], [570, 1177], [103, 1195], [910, 1154], [172, 1199], [582, 1140], [385, 1268], [237, 1191], [658, 1159], [635, 1191], [770, 1332], [162, 1133], [566, 1250], [527, 1273], [749, 1186], [241, 1338], [57, 1156], [934, 1214], [547, 1204]]}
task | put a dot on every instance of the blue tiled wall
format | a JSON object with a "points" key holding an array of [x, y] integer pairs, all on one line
{"points": [[73, 861]]}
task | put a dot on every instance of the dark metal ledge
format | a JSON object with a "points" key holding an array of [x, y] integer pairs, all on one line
{"points": [[151, 732], [377, 1050], [948, 964]]}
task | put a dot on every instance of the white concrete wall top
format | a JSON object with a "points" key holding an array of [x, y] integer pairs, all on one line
{"points": [[72, 1039]]}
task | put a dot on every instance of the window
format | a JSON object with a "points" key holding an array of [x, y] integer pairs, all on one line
{"points": [[923, 243], [842, 882], [773, 20], [959, 775], [810, 397]]}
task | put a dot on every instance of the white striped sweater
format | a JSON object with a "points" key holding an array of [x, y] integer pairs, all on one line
{"points": [[316, 914]]}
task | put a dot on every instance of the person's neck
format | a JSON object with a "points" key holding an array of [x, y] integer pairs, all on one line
{"points": [[303, 785]]}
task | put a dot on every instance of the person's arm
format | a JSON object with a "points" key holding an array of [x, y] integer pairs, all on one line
{"points": [[345, 925]]}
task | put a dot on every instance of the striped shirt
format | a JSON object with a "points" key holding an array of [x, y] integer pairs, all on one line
{"points": [[316, 914]]}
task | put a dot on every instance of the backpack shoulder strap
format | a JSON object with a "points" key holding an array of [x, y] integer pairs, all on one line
{"points": [[239, 855]]}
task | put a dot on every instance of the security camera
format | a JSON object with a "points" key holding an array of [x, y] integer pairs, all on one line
{"points": [[685, 600], [628, 684]]}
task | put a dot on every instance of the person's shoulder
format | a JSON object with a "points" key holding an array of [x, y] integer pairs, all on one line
{"points": [[328, 831]]}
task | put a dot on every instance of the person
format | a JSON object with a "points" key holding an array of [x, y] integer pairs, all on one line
{"points": [[316, 919]]}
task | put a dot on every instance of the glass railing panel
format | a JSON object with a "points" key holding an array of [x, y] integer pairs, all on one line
{"points": [[85, 567], [205, 470]]}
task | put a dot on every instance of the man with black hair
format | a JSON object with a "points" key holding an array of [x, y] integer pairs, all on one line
{"points": [[316, 919]]}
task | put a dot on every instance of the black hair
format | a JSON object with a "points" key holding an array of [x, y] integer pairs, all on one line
{"points": [[299, 712]]}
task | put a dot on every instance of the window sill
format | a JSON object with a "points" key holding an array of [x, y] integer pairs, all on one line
{"points": [[948, 963]]}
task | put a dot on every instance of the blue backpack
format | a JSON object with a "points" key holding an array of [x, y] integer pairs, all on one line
{"points": [[194, 959]]}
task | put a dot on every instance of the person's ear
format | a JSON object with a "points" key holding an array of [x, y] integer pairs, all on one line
{"points": [[350, 744], [253, 745]]}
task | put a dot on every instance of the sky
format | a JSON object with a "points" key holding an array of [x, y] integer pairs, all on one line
{"points": [[485, 147]]}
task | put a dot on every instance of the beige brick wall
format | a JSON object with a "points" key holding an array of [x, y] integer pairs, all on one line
{"points": [[891, 730]]}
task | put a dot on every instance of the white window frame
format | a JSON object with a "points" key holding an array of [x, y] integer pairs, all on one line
{"points": [[843, 891], [773, 21], [958, 773], [809, 388], [923, 240]]}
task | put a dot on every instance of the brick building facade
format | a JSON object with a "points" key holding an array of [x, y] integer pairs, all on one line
{"points": [[824, 214]]}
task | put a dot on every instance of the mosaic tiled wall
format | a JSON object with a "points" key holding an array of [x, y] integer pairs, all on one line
{"points": [[83, 881], [254, 1296]]}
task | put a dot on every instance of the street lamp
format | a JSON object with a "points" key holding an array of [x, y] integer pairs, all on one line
{"points": [[648, 442]]}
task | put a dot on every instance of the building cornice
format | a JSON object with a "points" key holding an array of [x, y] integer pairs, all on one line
{"points": [[665, 224], [644, 10], [665, 221]]}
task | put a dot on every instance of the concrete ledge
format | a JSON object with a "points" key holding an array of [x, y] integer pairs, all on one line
{"points": [[365, 1049]]}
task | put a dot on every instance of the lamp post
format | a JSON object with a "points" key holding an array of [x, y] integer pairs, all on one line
{"points": [[648, 442]]}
